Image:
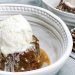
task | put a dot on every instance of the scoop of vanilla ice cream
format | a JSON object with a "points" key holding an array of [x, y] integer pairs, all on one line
{"points": [[15, 35]]}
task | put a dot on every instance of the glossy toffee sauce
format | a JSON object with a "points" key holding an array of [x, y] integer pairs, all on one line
{"points": [[25, 61]]}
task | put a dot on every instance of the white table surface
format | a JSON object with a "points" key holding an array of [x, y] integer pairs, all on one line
{"points": [[69, 66]]}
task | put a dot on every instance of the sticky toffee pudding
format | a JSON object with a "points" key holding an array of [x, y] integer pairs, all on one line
{"points": [[25, 61], [66, 6]]}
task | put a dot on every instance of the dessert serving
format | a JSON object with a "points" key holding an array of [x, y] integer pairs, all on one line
{"points": [[19, 47], [67, 5]]}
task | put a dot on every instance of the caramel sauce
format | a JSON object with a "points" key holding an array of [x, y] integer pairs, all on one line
{"points": [[2, 62], [44, 57]]}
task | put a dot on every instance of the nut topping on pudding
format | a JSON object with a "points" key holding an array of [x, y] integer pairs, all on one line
{"points": [[67, 5], [19, 47]]}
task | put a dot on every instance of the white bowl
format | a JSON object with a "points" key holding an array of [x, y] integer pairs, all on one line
{"points": [[52, 32], [68, 18]]}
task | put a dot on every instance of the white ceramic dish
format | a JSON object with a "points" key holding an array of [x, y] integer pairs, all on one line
{"points": [[69, 18], [52, 32]]}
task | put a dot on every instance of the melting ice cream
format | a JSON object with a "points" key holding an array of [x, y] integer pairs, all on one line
{"points": [[15, 35]]}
